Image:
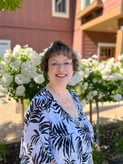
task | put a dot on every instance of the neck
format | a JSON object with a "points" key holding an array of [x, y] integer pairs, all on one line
{"points": [[56, 89]]}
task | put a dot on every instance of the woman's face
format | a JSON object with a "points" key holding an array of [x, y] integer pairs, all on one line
{"points": [[60, 69]]}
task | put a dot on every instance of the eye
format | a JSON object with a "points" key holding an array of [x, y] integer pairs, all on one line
{"points": [[67, 63], [54, 64]]}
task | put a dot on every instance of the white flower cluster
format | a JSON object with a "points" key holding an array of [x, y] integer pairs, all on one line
{"points": [[19, 68], [20, 73], [99, 80]]}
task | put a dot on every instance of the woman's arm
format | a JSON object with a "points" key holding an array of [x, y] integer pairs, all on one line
{"points": [[35, 146]]}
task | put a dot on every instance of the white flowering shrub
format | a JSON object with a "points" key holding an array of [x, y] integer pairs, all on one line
{"points": [[100, 81], [20, 74]]}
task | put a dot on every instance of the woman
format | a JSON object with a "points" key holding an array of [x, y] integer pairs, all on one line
{"points": [[56, 130]]}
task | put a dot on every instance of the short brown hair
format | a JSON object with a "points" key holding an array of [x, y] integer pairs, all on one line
{"points": [[57, 48]]}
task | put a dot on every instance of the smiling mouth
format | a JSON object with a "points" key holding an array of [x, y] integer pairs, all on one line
{"points": [[61, 76]]}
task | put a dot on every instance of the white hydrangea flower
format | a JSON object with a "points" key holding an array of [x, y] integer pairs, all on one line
{"points": [[20, 90], [28, 50], [117, 97], [107, 70], [90, 59], [94, 93], [28, 69], [6, 79], [105, 77], [121, 71], [79, 89], [95, 57], [117, 65], [35, 58], [22, 79], [116, 76], [2, 68], [39, 79], [7, 54], [16, 51], [75, 79], [90, 96], [16, 64], [3, 89], [94, 80], [111, 61], [82, 61], [85, 85], [100, 66], [120, 57], [87, 72], [18, 67], [81, 73], [26, 65]]}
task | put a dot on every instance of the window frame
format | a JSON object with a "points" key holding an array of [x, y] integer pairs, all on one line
{"points": [[101, 44], [61, 14], [84, 5], [7, 44]]}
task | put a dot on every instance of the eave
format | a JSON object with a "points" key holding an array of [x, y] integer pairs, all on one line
{"points": [[108, 22], [97, 4]]}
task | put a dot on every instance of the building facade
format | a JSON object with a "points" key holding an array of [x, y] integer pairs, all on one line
{"points": [[101, 27], [37, 23], [88, 26]]}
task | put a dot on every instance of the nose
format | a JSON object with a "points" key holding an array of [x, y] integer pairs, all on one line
{"points": [[61, 67]]}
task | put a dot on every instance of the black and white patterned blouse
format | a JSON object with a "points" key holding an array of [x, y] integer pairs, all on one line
{"points": [[52, 134]]}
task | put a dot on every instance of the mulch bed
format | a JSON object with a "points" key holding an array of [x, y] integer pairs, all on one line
{"points": [[12, 153]]}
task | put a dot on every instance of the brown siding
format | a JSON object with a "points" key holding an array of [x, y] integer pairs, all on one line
{"points": [[91, 39], [110, 4], [35, 26]]}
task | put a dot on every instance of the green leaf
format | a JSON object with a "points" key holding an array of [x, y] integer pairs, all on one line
{"points": [[11, 5]]}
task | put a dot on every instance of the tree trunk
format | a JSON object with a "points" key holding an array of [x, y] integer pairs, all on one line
{"points": [[22, 109], [97, 124], [90, 103]]}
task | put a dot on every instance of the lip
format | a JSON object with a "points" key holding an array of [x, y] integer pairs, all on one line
{"points": [[61, 76]]}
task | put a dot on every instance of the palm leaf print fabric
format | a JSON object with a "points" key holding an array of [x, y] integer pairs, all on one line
{"points": [[52, 134]]}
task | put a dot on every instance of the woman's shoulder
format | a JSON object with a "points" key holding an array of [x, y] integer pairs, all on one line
{"points": [[42, 96], [43, 93], [73, 94]]}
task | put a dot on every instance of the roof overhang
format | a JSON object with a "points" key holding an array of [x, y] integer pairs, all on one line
{"points": [[107, 22], [90, 8]]}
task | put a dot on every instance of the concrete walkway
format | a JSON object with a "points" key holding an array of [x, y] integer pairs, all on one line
{"points": [[11, 121]]}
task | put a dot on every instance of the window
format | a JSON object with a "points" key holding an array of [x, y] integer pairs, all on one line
{"points": [[106, 51], [4, 45], [60, 8], [85, 3]]}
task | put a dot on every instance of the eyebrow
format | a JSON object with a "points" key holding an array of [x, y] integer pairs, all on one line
{"points": [[58, 59]]}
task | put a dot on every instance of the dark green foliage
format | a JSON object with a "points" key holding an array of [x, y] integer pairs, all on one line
{"points": [[3, 151], [98, 156], [11, 5], [111, 144]]}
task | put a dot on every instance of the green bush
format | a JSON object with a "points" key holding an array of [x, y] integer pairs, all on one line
{"points": [[98, 155], [3, 150], [111, 143]]}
